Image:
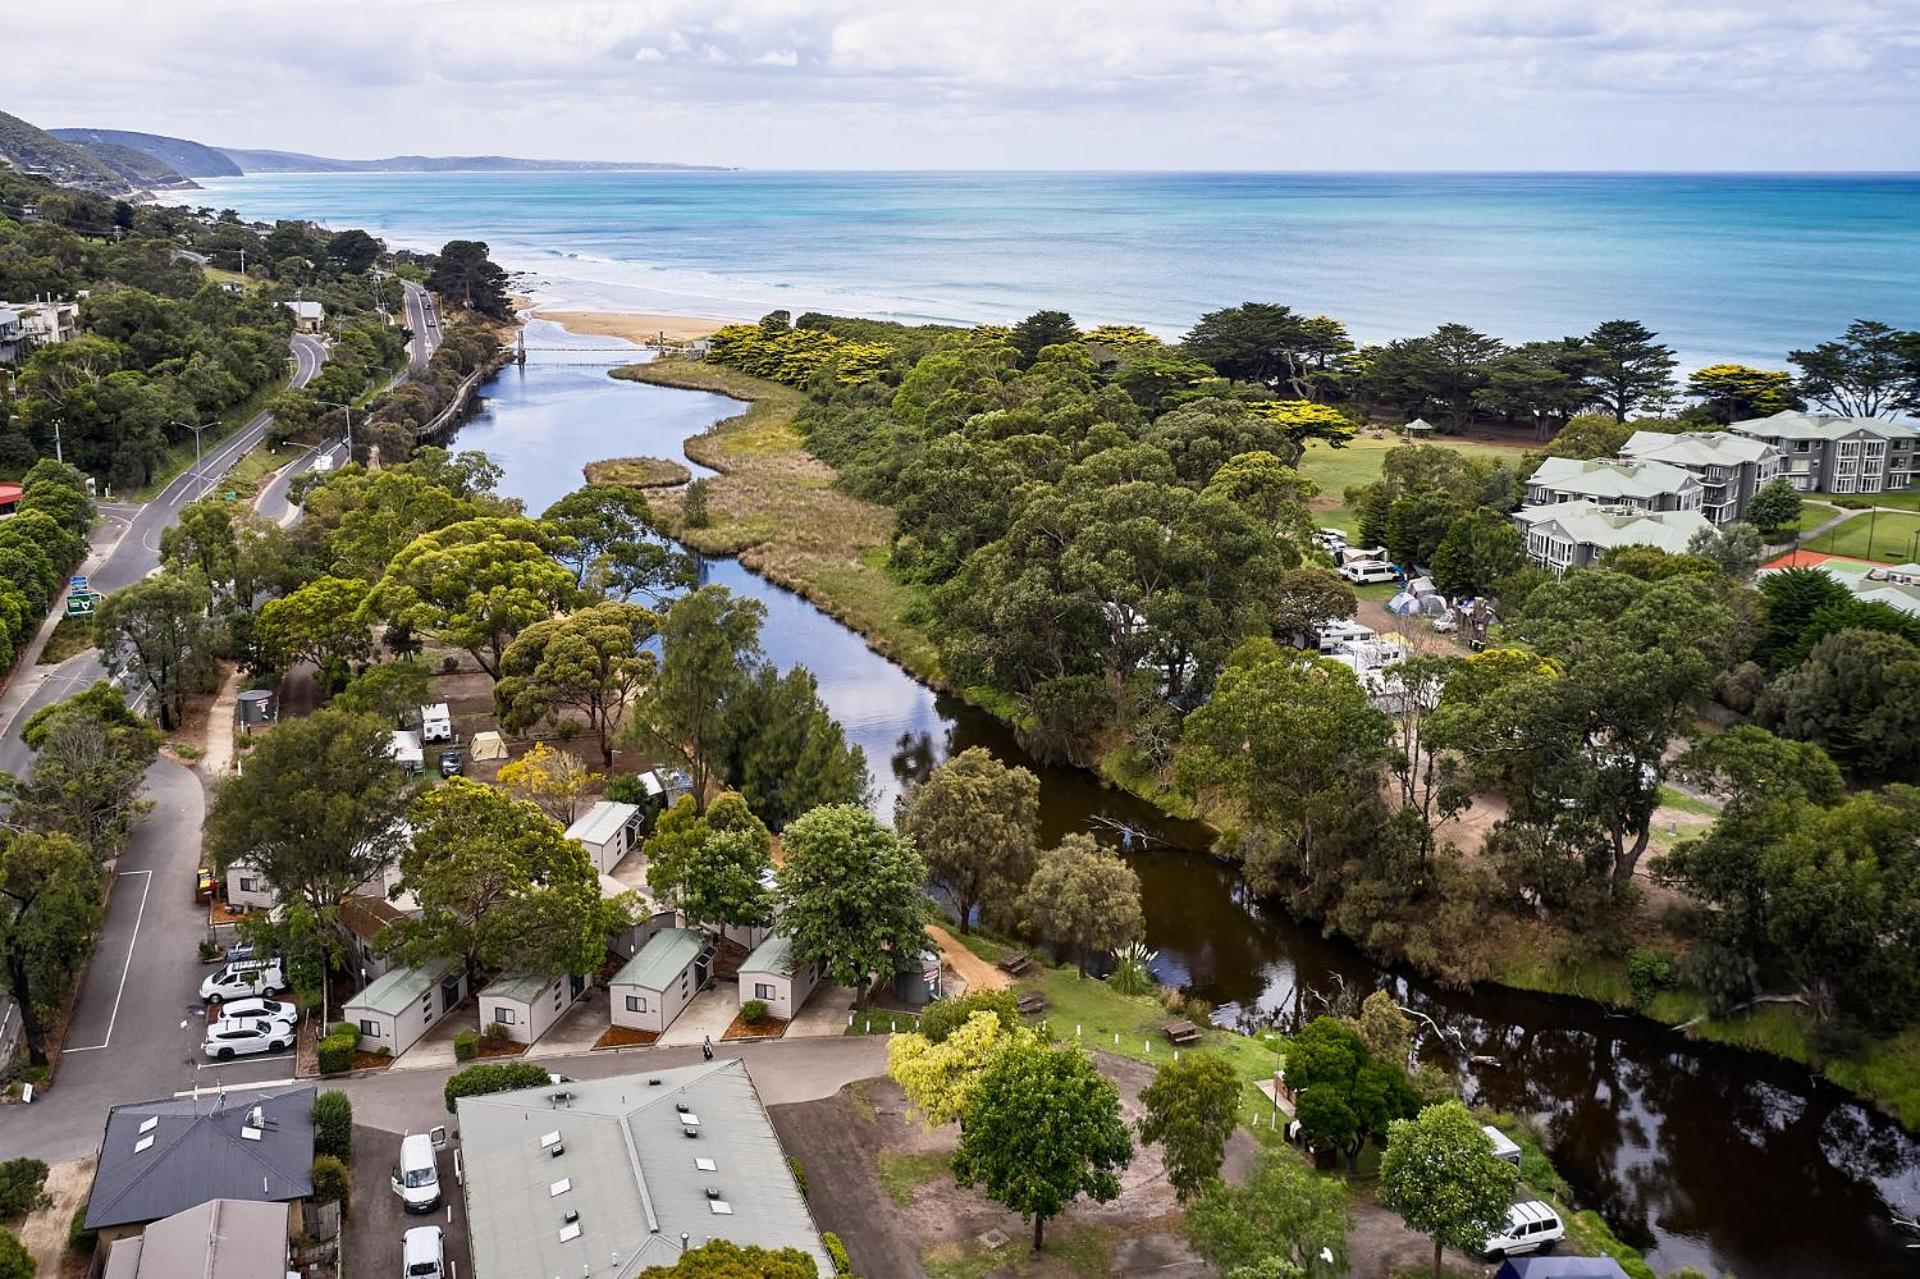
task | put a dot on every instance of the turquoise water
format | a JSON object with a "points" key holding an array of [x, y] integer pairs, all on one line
{"points": [[1740, 267]]}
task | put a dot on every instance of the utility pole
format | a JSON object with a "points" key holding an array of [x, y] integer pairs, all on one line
{"points": [[198, 468], [58, 455], [348, 410]]}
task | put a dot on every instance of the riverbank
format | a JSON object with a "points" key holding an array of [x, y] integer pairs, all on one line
{"points": [[641, 329], [773, 506]]}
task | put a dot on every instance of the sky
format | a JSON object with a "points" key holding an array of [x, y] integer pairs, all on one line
{"points": [[998, 84]]}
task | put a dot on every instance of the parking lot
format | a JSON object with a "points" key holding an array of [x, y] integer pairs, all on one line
{"points": [[375, 1220]]}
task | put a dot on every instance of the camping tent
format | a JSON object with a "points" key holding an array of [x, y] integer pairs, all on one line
{"points": [[487, 746], [1402, 604]]}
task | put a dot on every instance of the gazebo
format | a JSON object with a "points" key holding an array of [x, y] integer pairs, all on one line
{"points": [[1418, 429]]}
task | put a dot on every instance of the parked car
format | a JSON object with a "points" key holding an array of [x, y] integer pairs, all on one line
{"points": [[239, 952], [423, 1253], [203, 884], [450, 763], [244, 979], [1370, 571], [249, 1009], [232, 1037], [1532, 1226], [416, 1178], [1329, 539]]}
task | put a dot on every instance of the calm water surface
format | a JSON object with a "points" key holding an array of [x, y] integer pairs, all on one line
{"points": [[1701, 1156]]}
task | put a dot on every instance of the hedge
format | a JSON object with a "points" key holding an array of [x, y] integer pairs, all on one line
{"points": [[753, 1012], [499, 1076], [337, 1049], [837, 1253], [331, 1184], [333, 1126]]}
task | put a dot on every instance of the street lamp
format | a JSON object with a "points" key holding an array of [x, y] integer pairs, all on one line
{"points": [[348, 410], [198, 469]]}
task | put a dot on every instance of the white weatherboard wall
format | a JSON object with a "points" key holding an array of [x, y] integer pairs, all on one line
{"points": [[394, 1011], [657, 984], [528, 1005], [247, 889], [770, 975]]}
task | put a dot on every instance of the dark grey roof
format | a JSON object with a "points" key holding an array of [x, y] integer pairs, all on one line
{"points": [[202, 1149]]}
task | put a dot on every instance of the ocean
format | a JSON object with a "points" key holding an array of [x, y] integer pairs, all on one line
{"points": [[1725, 267]]}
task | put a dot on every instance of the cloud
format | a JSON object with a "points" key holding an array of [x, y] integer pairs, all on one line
{"points": [[1114, 83]]}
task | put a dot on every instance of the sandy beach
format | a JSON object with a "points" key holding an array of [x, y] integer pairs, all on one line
{"points": [[633, 327]]}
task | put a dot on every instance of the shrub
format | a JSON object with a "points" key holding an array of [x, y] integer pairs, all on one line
{"points": [[753, 1012], [1133, 970], [944, 1016], [333, 1126], [693, 505], [21, 1187], [489, 1077], [837, 1253], [1648, 973], [330, 1181], [209, 950], [79, 1238], [495, 1033], [799, 1174], [15, 1261], [336, 1050]]}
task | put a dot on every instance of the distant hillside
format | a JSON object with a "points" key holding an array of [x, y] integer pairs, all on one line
{"points": [[191, 159], [297, 162], [137, 167], [33, 150]]}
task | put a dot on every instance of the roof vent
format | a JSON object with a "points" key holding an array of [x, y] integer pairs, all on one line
{"points": [[653, 1083], [682, 1107], [570, 1216], [691, 1132], [559, 1098], [713, 1192], [557, 1149]]}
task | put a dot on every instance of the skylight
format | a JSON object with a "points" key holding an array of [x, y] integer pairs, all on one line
{"points": [[706, 1165], [142, 1144], [549, 1139], [721, 1208], [560, 1187]]}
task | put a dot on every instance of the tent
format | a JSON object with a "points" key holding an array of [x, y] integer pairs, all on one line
{"points": [[1403, 604], [487, 746], [1561, 1268], [1434, 605], [1423, 586]]}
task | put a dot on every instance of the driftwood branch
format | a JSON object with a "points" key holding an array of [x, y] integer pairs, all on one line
{"points": [[1757, 1000]]}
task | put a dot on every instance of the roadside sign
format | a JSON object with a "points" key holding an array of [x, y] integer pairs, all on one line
{"points": [[80, 605], [77, 586]]}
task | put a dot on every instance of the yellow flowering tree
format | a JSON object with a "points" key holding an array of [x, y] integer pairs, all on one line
{"points": [[939, 1079]]}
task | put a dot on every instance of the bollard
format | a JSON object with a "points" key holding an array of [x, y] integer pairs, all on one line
{"points": [[1116, 1039]]}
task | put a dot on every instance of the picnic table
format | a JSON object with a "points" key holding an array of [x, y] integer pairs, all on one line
{"points": [[1030, 1003], [1016, 963], [1184, 1032]]}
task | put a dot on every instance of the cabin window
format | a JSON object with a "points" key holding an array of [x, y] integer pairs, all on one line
{"points": [[503, 1015], [761, 990], [369, 1028], [636, 1003]]}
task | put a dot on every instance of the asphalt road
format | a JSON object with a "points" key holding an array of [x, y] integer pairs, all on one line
{"points": [[423, 319]]}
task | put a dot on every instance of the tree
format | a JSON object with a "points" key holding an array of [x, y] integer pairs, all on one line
{"points": [[1734, 548], [1308, 598], [1775, 508], [1735, 392], [1794, 598], [724, 1259], [713, 865], [1266, 343], [1858, 696], [1627, 368], [1591, 435], [939, 1076], [22, 1187], [1192, 1109], [1480, 548], [475, 585], [91, 754], [202, 541], [589, 663], [553, 780], [1869, 370], [1440, 1174], [156, 632], [609, 539], [464, 275], [1084, 898], [1040, 330], [1285, 1213], [323, 622], [850, 895], [352, 251], [1345, 1095], [978, 822], [500, 886], [706, 642], [15, 1261], [50, 903], [388, 690], [784, 750], [1043, 1129], [317, 812]]}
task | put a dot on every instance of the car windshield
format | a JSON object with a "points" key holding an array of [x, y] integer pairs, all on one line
{"points": [[420, 1177], [423, 1268]]}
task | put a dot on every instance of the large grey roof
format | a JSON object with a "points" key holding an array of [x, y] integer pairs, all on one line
{"points": [[199, 1153], [629, 1173], [1607, 527], [220, 1239], [1605, 478], [1792, 424], [1696, 448]]}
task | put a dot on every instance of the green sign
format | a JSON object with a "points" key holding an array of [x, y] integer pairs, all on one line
{"points": [[78, 605]]}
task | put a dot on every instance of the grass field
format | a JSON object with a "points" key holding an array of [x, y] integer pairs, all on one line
{"points": [[1337, 470], [1890, 537]]}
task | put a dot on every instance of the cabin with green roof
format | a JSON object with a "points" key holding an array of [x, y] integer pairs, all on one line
{"points": [[656, 985], [400, 1006], [772, 975], [528, 1004]]}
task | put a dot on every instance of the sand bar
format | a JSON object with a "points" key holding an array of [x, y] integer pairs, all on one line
{"points": [[633, 327]]}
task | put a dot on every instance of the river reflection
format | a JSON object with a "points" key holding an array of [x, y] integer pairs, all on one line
{"points": [[1703, 1157]]}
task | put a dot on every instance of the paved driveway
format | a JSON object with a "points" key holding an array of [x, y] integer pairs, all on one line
{"points": [[375, 1220]]}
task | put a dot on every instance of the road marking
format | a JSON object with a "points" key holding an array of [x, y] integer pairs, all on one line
{"points": [[243, 1061], [139, 916], [264, 1083]]}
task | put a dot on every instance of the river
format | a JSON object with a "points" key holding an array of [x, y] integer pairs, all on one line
{"points": [[1701, 1156]]}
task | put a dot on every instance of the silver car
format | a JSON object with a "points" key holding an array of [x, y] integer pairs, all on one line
{"points": [[231, 1037]]}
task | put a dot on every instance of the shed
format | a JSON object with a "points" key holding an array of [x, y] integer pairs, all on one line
{"points": [[219, 1239], [607, 832], [772, 976], [658, 983], [363, 918], [487, 745], [919, 984], [308, 316], [528, 1004], [396, 1009], [648, 917]]}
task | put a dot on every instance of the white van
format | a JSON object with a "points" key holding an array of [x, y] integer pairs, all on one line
{"points": [[1531, 1227], [1370, 571], [244, 979], [423, 1253], [436, 723], [416, 1178]]}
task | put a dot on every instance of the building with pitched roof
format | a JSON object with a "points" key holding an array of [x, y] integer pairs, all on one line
{"points": [[159, 1158], [635, 1170], [1826, 453], [219, 1239], [1643, 486], [1568, 535], [1731, 468]]}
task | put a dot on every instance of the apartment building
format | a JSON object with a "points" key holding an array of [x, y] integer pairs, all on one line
{"points": [[1827, 454], [1574, 534], [1630, 483], [1731, 468]]}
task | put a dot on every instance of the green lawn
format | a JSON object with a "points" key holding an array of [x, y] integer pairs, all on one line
{"points": [[1814, 514], [1890, 537], [1904, 500], [1336, 470]]}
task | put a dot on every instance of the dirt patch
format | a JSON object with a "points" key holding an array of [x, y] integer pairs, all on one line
{"points": [[768, 1028], [45, 1232], [371, 1061], [977, 972], [625, 1037], [499, 1048]]}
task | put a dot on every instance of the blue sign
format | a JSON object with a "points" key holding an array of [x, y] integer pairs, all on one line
{"points": [[78, 586]]}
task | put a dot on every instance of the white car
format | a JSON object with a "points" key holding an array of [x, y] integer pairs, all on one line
{"points": [[1329, 539], [1532, 1226], [416, 1178], [232, 1037], [1370, 571], [423, 1253], [244, 980], [272, 1009]]}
